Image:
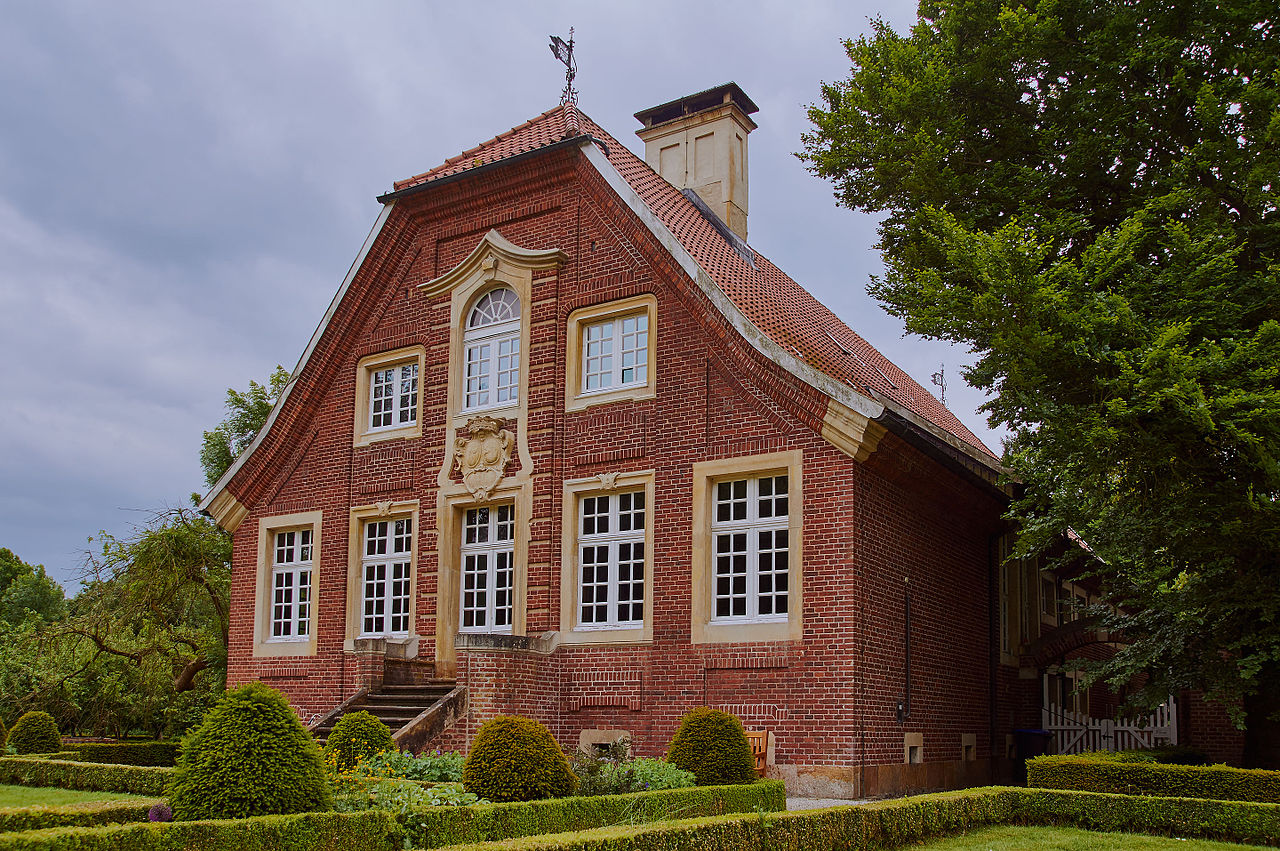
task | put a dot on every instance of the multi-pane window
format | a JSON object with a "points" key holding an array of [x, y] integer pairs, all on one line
{"points": [[387, 566], [291, 586], [750, 549], [615, 353], [488, 569], [491, 342], [611, 558], [393, 396]]}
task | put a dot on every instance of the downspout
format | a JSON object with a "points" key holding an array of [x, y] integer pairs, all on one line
{"points": [[993, 639]]}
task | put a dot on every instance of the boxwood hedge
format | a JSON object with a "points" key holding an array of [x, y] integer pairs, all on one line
{"points": [[163, 752], [135, 779], [1094, 774], [891, 824], [439, 826], [81, 815], [373, 830]]}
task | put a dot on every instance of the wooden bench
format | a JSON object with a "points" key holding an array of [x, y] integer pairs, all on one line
{"points": [[759, 741]]}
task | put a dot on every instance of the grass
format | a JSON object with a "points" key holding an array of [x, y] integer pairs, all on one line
{"points": [[1070, 839], [32, 796]]}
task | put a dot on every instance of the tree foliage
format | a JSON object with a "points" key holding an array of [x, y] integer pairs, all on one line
{"points": [[1085, 193], [246, 414]]}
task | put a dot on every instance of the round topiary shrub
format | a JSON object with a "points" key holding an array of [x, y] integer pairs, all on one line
{"points": [[35, 732], [250, 756], [713, 745], [516, 759], [357, 735]]}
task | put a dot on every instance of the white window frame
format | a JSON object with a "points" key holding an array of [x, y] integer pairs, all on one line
{"points": [[491, 354], [610, 350], [750, 526], [292, 585], [403, 410], [612, 541], [492, 540], [386, 577]]}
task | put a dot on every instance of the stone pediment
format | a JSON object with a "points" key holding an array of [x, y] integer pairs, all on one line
{"points": [[493, 251]]}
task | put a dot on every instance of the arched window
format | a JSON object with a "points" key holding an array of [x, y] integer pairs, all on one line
{"points": [[491, 342]]}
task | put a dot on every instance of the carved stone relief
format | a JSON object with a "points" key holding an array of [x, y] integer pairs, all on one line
{"points": [[483, 455]]}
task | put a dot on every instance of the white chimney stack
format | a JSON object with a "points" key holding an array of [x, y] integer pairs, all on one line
{"points": [[699, 142]]}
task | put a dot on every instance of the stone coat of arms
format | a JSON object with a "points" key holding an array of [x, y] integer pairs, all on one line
{"points": [[483, 455]]}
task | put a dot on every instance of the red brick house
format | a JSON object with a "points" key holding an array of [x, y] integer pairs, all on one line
{"points": [[565, 445]]}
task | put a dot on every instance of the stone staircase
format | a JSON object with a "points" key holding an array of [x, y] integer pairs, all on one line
{"points": [[416, 708]]}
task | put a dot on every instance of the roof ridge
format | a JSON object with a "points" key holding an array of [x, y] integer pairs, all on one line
{"points": [[472, 151]]}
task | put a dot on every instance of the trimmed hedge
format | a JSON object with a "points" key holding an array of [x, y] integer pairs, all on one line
{"points": [[889, 824], [78, 815], [162, 753], [1217, 782], [93, 777], [440, 826], [366, 831]]}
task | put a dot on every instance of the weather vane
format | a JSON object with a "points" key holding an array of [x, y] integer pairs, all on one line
{"points": [[939, 379], [563, 51]]}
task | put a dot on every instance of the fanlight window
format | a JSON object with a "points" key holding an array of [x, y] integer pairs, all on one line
{"points": [[492, 346]]}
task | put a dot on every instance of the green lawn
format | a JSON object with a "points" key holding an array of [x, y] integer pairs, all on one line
{"points": [[1070, 839], [30, 796]]}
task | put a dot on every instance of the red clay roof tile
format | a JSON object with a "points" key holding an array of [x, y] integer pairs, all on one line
{"points": [[803, 326]]}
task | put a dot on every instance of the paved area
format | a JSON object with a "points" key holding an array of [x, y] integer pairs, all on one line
{"points": [[819, 803]]}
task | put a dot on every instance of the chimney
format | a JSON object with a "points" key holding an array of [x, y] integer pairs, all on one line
{"points": [[699, 142]]}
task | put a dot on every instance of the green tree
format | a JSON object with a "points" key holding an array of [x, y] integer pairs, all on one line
{"points": [[26, 590], [1085, 193], [247, 412]]}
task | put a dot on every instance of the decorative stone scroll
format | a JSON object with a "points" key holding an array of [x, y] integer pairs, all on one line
{"points": [[483, 455]]}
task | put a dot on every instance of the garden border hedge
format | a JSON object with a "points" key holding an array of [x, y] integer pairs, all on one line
{"points": [[161, 752], [367, 831], [1214, 782], [889, 824], [89, 814], [434, 827], [90, 776]]}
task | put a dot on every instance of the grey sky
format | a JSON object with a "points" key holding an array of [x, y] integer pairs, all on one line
{"points": [[183, 186]]}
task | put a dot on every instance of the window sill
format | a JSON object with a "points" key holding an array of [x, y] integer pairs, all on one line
{"points": [[380, 434], [607, 635], [740, 632], [285, 647], [636, 393]]}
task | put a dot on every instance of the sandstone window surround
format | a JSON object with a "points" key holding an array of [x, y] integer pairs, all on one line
{"points": [[285, 588], [607, 559], [491, 360], [388, 395], [611, 352], [747, 548], [487, 556]]}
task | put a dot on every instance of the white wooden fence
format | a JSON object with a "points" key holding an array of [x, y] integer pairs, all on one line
{"points": [[1075, 732]]}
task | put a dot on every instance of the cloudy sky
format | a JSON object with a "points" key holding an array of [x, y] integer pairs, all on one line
{"points": [[183, 186]]}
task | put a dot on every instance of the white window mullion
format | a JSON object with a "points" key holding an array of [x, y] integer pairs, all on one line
{"points": [[291, 586], [488, 569], [611, 560], [387, 577], [615, 353], [751, 544]]}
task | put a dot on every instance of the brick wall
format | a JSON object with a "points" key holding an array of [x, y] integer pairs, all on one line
{"points": [[897, 525]]}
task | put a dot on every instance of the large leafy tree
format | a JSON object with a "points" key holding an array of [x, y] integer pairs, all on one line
{"points": [[1085, 193], [247, 412]]}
